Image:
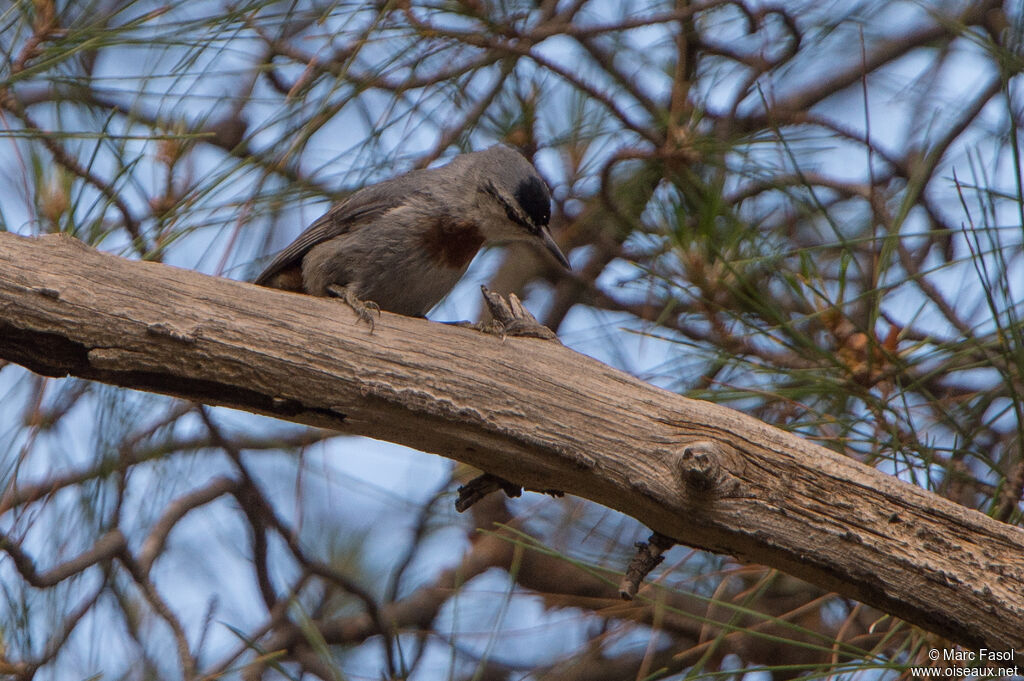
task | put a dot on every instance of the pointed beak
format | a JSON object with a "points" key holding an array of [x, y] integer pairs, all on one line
{"points": [[553, 248]]}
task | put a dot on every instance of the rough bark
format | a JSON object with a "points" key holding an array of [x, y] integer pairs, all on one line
{"points": [[529, 410]]}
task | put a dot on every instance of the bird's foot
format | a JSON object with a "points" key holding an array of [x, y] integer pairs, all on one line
{"points": [[364, 309], [510, 318], [482, 485]]}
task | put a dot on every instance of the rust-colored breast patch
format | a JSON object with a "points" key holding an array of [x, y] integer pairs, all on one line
{"points": [[452, 243]]}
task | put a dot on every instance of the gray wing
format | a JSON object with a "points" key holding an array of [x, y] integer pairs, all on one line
{"points": [[362, 207]]}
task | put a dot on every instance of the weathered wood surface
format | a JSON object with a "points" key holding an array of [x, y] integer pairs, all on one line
{"points": [[526, 409]]}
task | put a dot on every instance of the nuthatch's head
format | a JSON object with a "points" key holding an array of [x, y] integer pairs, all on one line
{"points": [[512, 196]]}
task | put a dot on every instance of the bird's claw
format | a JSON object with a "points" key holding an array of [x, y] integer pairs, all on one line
{"points": [[364, 309]]}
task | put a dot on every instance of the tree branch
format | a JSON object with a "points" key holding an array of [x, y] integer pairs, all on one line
{"points": [[528, 410]]}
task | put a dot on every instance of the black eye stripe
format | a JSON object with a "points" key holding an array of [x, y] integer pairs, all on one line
{"points": [[530, 207], [516, 217]]}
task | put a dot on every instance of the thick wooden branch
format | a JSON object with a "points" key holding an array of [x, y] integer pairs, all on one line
{"points": [[526, 409]]}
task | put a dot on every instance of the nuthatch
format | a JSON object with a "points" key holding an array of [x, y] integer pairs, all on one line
{"points": [[402, 245]]}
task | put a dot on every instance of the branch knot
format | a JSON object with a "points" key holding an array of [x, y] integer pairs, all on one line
{"points": [[700, 467]]}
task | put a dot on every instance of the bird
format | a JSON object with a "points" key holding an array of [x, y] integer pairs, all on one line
{"points": [[402, 244]]}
